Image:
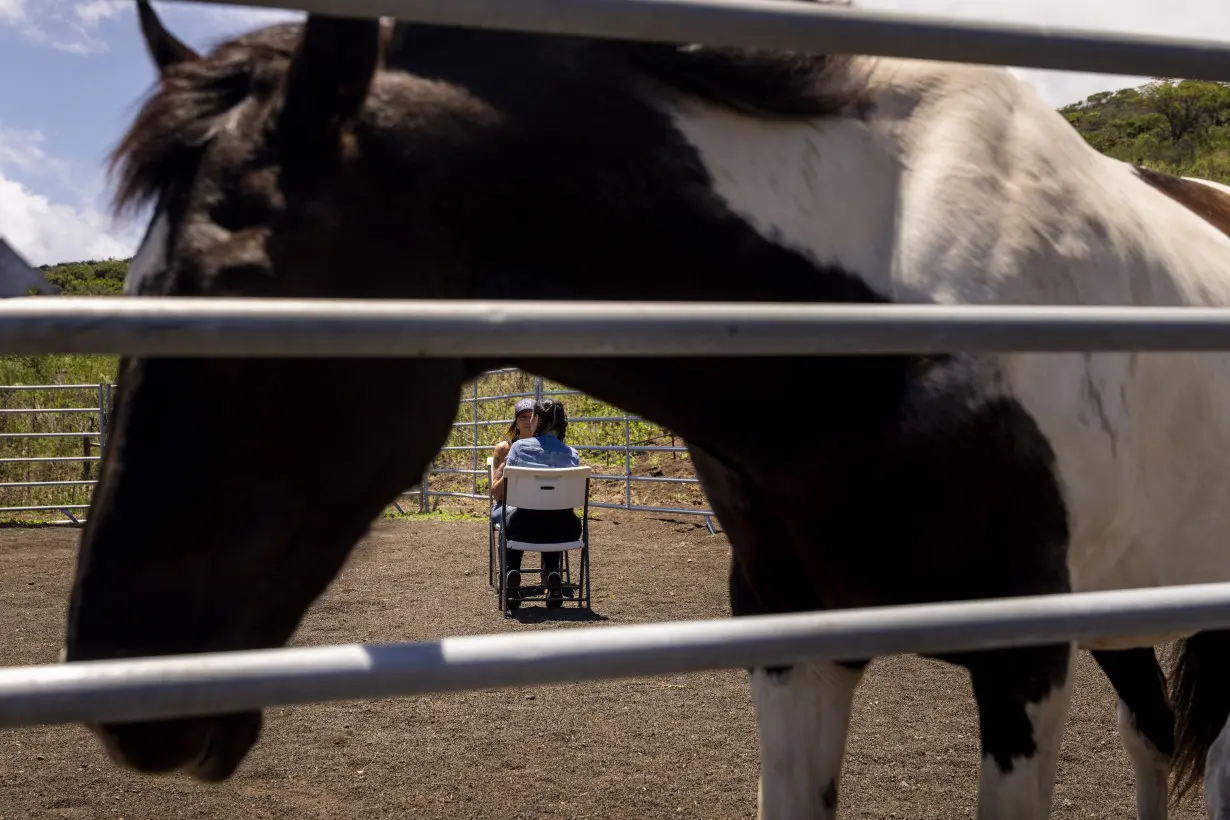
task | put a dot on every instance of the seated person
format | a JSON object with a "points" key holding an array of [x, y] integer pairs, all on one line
{"points": [[545, 449], [522, 426]]}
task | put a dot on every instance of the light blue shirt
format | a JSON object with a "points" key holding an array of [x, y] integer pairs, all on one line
{"points": [[542, 451]]}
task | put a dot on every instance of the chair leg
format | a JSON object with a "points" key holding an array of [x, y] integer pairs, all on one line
{"points": [[501, 599], [585, 572]]}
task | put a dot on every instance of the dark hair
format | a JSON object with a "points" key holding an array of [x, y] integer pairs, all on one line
{"points": [[552, 418]]}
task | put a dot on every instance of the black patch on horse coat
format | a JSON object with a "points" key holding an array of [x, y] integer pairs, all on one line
{"points": [[757, 82], [1005, 683], [940, 488], [765, 84], [944, 489], [778, 674], [1140, 683], [829, 796]]}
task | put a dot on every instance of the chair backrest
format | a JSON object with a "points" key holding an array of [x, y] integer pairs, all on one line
{"points": [[543, 488]]}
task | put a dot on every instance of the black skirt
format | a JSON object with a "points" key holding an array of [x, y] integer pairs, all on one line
{"points": [[544, 526]]}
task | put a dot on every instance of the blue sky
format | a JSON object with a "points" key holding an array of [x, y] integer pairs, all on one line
{"points": [[75, 70]]}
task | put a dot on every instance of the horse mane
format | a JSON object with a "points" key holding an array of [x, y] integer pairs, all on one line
{"points": [[175, 124], [196, 96], [757, 82], [766, 84]]}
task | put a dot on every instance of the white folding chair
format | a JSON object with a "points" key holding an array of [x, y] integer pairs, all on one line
{"points": [[538, 488]]}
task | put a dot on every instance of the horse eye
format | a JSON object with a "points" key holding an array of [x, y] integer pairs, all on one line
{"points": [[240, 214]]}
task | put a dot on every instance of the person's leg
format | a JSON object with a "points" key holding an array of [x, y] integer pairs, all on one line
{"points": [[513, 571], [569, 530], [551, 563]]}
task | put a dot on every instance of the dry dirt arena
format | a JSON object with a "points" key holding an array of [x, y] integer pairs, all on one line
{"points": [[675, 747]]}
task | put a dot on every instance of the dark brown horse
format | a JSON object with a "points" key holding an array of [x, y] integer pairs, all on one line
{"points": [[343, 159]]}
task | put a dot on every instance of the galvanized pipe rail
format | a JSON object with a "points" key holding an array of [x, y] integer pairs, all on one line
{"points": [[380, 328], [223, 682], [809, 27]]}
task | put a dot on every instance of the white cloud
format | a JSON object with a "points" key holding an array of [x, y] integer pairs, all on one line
{"points": [[39, 227], [78, 26], [50, 23], [23, 150], [93, 11], [12, 11], [48, 232]]}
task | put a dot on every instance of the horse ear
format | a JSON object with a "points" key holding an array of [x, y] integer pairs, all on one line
{"points": [[329, 77], [164, 47]]}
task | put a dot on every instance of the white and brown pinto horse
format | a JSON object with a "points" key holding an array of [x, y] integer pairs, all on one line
{"points": [[349, 160]]}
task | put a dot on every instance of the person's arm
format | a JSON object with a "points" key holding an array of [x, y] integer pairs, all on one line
{"points": [[510, 460], [497, 466]]}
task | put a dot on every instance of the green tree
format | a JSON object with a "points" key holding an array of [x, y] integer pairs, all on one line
{"points": [[1190, 107]]}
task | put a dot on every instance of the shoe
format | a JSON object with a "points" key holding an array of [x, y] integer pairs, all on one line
{"points": [[513, 589], [555, 598]]}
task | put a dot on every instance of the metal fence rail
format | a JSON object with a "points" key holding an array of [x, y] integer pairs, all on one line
{"points": [[16, 478], [400, 328], [423, 492], [810, 27], [218, 683]]}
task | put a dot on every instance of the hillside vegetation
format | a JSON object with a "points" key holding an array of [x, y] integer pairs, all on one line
{"points": [[1177, 127]]}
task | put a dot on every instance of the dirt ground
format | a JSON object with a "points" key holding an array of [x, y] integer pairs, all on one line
{"points": [[679, 747]]}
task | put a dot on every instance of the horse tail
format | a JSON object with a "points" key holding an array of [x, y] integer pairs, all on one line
{"points": [[1200, 694]]}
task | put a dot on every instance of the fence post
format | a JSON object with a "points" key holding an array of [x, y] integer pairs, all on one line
{"points": [[538, 389], [103, 390], [627, 462], [474, 452]]}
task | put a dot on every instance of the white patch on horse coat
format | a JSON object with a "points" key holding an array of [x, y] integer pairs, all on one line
{"points": [[1151, 767], [802, 718], [962, 187], [151, 257]]}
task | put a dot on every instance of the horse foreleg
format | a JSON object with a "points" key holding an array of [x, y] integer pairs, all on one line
{"points": [[1022, 699], [803, 716], [1146, 723]]}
